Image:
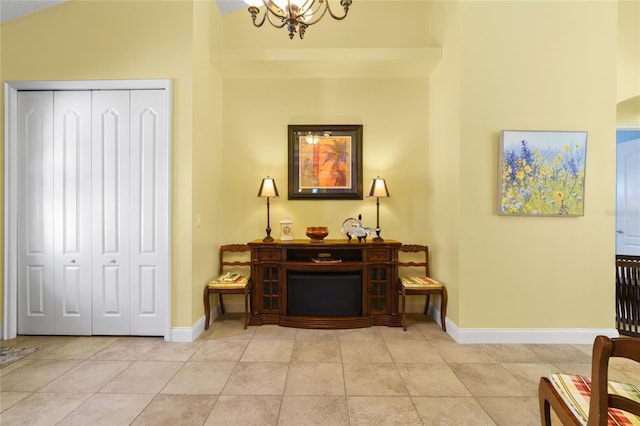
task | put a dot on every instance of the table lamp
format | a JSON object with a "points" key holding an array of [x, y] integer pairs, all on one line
{"points": [[268, 189], [379, 190]]}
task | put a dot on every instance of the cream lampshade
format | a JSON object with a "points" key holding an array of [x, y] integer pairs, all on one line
{"points": [[379, 190]]}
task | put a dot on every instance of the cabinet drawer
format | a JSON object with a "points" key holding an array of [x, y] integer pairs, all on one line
{"points": [[269, 255], [379, 255]]}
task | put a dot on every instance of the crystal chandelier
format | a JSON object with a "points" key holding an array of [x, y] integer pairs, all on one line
{"points": [[296, 15]]}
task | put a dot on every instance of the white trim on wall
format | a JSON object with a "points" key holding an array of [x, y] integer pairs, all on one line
{"points": [[186, 334], [528, 336], [11, 88], [515, 335]]}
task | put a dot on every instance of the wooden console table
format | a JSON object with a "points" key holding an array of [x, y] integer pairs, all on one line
{"points": [[372, 265]]}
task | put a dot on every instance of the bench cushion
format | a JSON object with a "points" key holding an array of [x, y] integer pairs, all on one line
{"points": [[576, 391]]}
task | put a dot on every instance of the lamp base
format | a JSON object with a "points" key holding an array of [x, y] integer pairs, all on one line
{"points": [[268, 238], [378, 237]]}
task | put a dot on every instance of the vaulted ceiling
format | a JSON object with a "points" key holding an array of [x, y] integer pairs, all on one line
{"points": [[12, 9]]}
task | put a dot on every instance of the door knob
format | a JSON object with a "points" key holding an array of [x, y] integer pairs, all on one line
{"points": [[112, 261], [620, 231], [72, 261]]}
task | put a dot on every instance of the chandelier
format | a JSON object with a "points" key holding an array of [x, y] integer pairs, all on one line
{"points": [[296, 15]]}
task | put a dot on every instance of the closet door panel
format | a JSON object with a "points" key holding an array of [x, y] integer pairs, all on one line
{"points": [[149, 198], [72, 212], [35, 221], [110, 218], [37, 282]]}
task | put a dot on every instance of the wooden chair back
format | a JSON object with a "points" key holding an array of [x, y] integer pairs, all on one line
{"points": [[598, 399], [628, 295], [413, 256], [234, 258], [605, 348]]}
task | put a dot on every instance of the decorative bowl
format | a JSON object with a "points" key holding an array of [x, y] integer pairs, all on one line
{"points": [[317, 233]]}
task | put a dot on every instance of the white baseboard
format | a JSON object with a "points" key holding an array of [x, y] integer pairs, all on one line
{"points": [[530, 336], [515, 335], [187, 335], [460, 335], [546, 336]]}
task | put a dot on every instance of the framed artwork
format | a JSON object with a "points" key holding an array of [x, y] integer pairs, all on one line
{"points": [[325, 162], [542, 173]]}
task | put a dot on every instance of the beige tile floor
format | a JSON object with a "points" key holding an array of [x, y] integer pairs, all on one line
{"points": [[272, 375]]}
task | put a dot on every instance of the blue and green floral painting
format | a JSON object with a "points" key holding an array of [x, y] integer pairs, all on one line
{"points": [[542, 173]]}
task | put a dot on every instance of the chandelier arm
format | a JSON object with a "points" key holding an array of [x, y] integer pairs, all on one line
{"points": [[276, 24], [254, 11], [318, 17], [308, 4], [345, 5], [336, 17], [317, 5]]}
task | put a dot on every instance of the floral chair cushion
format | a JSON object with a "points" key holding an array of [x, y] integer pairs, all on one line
{"points": [[419, 282], [240, 282], [576, 392]]}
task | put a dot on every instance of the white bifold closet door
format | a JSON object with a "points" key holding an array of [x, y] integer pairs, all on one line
{"points": [[91, 233], [54, 213]]}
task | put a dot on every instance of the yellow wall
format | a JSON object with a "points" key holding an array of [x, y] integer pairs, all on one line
{"points": [[536, 66], [206, 224], [81, 40], [628, 64], [628, 112], [505, 65], [524, 65], [628, 59], [370, 24], [443, 172], [394, 147]]}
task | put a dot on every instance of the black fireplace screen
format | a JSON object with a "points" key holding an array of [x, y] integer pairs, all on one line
{"points": [[327, 294]]}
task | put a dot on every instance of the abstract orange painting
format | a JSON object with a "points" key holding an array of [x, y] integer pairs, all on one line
{"points": [[325, 162]]}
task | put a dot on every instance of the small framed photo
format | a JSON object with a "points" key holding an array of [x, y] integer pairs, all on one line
{"points": [[325, 162], [542, 173]]}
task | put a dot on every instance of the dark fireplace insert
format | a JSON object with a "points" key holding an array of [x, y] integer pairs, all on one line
{"points": [[324, 293]]}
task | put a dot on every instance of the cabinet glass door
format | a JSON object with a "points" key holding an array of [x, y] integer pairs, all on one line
{"points": [[378, 288], [270, 289]]}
